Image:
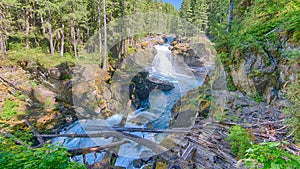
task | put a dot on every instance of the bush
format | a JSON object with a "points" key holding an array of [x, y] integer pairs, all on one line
{"points": [[239, 140], [48, 157], [293, 112], [270, 155], [9, 110]]}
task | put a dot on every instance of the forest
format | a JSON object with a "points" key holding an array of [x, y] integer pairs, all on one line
{"points": [[229, 67]]}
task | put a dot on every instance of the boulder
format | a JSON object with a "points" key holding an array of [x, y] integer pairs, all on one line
{"points": [[141, 85]]}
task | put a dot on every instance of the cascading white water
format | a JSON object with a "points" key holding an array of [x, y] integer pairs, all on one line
{"points": [[158, 115], [162, 63]]}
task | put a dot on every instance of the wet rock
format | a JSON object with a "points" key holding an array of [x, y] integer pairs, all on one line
{"points": [[146, 155], [141, 85], [195, 103], [137, 163]]}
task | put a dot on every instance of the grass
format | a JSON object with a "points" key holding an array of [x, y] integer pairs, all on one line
{"points": [[19, 53]]}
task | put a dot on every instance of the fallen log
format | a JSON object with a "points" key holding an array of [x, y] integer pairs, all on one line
{"points": [[134, 129], [82, 151], [156, 148], [35, 133]]}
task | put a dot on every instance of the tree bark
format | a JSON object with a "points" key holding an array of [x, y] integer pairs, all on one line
{"points": [[122, 36], [2, 47], [156, 148], [78, 35], [82, 151], [2, 37], [35, 132], [230, 15], [99, 28], [43, 25], [27, 27], [50, 31], [105, 37], [62, 40], [73, 34]]}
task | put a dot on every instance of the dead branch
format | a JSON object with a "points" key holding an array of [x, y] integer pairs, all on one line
{"points": [[82, 151], [35, 133], [158, 149], [133, 129]]}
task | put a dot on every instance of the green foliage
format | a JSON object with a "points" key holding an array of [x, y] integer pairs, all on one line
{"points": [[36, 55], [14, 156], [19, 96], [130, 50], [47, 103], [9, 110], [257, 97], [56, 107], [230, 84], [195, 12], [34, 83], [270, 156], [293, 112], [239, 140]]}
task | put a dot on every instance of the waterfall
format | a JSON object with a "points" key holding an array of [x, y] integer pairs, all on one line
{"points": [[162, 63], [157, 116]]}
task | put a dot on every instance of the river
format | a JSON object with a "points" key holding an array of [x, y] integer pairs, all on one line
{"points": [[157, 114]]}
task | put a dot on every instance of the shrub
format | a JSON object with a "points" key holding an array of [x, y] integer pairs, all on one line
{"points": [[270, 155], [293, 112], [47, 157], [239, 140], [9, 110]]}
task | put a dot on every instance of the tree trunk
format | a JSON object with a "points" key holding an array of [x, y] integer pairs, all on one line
{"points": [[2, 38], [2, 47], [105, 36], [99, 27], [50, 31], [27, 28], [73, 34], [230, 15], [62, 40], [78, 36], [43, 25], [122, 36]]}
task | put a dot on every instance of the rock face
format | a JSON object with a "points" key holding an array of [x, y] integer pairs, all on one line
{"points": [[255, 74], [194, 104], [141, 85], [198, 54], [264, 72], [214, 101]]}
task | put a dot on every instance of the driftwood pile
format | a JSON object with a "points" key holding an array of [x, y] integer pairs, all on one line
{"points": [[202, 146]]}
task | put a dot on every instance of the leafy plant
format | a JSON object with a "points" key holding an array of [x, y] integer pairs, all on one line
{"points": [[9, 110], [34, 83], [270, 156], [257, 97], [239, 140], [293, 112], [230, 84], [48, 103], [14, 156]]}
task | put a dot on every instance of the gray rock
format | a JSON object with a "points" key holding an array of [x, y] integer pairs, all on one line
{"points": [[137, 163], [146, 155]]}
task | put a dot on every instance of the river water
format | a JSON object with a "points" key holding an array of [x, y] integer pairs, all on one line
{"points": [[156, 116]]}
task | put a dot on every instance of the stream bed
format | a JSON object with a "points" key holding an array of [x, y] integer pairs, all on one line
{"points": [[157, 115]]}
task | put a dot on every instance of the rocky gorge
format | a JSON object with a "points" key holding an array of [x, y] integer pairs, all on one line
{"points": [[58, 96]]}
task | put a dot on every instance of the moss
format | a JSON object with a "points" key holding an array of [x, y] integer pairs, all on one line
{"points": [[37, 55]]}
